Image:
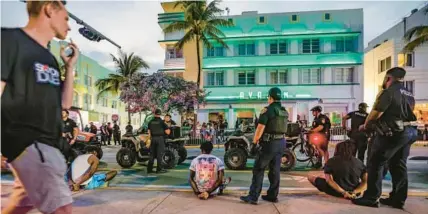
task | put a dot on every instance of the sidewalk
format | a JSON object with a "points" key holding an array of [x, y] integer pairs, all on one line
{"points": [[106, 201]]}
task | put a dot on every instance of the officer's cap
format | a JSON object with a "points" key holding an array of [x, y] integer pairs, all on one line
{"points": [[158, 112], [396, 72], [317, 108], [275, 93]]}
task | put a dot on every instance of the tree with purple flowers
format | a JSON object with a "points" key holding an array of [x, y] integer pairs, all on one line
{"points": [[145, 93]]}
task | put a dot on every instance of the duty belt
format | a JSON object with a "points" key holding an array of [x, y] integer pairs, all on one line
{"points": [[413, 123], [269, 137]]}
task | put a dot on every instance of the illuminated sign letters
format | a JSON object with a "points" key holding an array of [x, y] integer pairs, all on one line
{"points": [[258, 95]]}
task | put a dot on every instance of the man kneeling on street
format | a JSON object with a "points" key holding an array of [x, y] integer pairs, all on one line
{"points": [[83, 171], [345, 175], [206, 173]]}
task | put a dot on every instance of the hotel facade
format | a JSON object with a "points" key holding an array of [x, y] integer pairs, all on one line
{"points": [[386, 51], [314, 57]]}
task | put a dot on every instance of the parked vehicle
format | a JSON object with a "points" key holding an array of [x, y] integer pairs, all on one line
{"points": [[83, 139], [136, 147], [238, 147]]}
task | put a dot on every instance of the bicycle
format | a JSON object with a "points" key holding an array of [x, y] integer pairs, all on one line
{"points": [[305, 151]]}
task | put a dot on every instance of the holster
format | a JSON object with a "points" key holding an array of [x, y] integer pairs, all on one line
{"points": [[383, 128]]}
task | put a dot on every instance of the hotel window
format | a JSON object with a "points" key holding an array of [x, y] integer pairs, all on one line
{"points": [[103, 101], [113, 104], [327, 17], [278, 76], [247, 78], [343, 75], [311, 46], [310, 76], [88, 80], [278, 47], [247, 49], [410, 86], [173, 53], [215, 78], [384, 64], [294, 18], [104, 118], [410, 60], [215, 52], [261, 20], [344, 45], [88, 99]]}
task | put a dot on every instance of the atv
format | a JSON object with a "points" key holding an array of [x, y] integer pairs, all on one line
{"points": [[136, 147], [84, 139], [238, 150]]}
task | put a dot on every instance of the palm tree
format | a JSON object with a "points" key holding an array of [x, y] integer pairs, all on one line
{"points": [[200, 24], [127, 65], [421, 36]]}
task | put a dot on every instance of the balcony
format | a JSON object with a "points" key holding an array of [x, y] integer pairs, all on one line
{"points": [[259, 93], [177, 63], [293, 60], [166, 18]]}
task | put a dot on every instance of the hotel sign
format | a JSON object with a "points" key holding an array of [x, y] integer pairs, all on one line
{"points": [[258, 95]]}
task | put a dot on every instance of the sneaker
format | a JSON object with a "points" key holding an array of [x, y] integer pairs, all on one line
{"points": [[267, 198], [366, 202], [248, 199], [390, 202]]}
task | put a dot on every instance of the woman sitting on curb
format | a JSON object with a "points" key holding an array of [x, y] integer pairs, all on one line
{"points": [[344, 175]]}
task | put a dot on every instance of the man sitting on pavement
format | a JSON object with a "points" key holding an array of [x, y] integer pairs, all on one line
{"points": [[206, 173], [345, 175], [82, 171]]}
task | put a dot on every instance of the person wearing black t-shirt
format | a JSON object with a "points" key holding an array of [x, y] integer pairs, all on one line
{"points": [[70, 129], [32, 97], [360, 138], [157, 130], [345, 176]]}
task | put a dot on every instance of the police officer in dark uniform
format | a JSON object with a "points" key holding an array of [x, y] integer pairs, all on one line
{"points": [[391, 117], [157, 131], [360, 138], [321, 124], [269, 136]]}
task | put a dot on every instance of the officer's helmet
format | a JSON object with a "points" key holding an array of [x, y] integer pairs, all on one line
{"points": [[275, 93], [317, 108], [362, 106]]}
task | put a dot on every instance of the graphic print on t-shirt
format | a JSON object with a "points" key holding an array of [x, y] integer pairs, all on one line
{"points": [[46, 74], [206, 168]]}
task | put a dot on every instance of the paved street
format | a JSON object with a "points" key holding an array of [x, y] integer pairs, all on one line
{"points": [[295, 180]]}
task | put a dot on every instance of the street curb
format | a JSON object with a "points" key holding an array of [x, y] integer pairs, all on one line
{"points": [[331, 144]]}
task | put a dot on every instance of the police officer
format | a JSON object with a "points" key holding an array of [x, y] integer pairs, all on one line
{"points": [[269, 135], [157, 130], [391, 117], [321, 124], [360, 138]]}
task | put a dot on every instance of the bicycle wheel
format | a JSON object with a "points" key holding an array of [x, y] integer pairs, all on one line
{"points": [[303, 152]]}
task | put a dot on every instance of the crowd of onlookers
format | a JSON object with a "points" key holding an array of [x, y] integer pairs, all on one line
{"points": [[106, 131]]}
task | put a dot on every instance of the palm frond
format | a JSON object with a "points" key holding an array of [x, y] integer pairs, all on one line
{"points": [[217, 39], [206, 42], [104, 91], [189, 36], [416, 31], [415, 43], [176, 26], [221, 22]]}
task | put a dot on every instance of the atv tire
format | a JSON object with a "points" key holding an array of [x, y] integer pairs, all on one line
{"points": [[182, 152], [235, 159], [126, 158], [288, 160], [170, 158]]}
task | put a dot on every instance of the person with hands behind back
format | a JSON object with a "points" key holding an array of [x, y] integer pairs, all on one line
{"points": [[344, 175]]}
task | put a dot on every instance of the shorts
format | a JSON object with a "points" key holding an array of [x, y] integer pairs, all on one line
{"points": [[98, 180], [40, 184], [322, 185]]}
